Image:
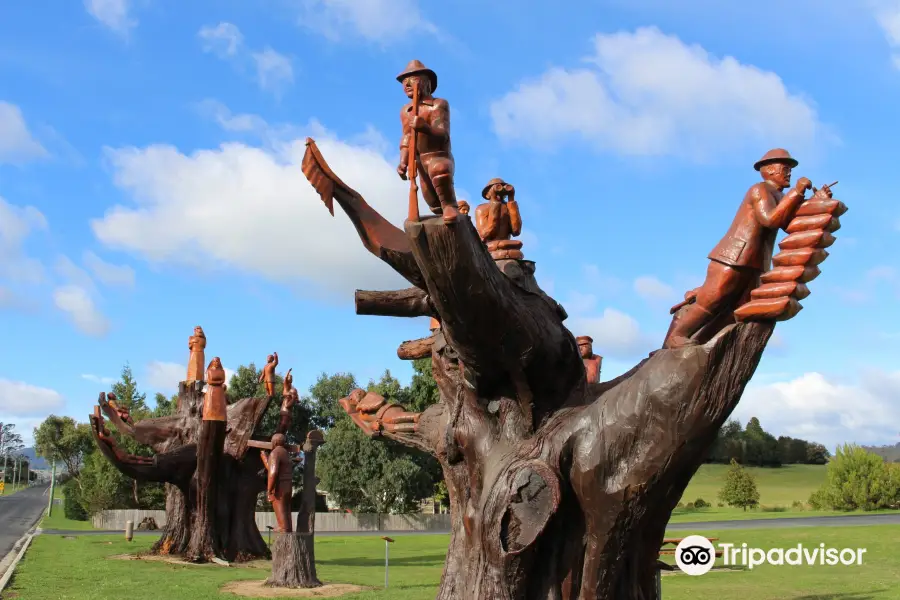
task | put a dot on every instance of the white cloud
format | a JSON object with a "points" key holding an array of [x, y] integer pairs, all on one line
{"points": [[165, 376], [273, 70], [605, 284], [16, 224], [225, 39], [382, 21], [252, 209], [652, 289], [109, 273], [98, 379], [112, 13], [17, 145], [69, 272], [887, 14], [615, 334], [22, 399], [650, 94], [580, 303], [76, 302], [818, 409]]}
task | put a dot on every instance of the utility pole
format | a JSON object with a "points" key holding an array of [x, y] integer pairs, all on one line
{"points": [[52, 488], [16, 472], [5, 454]]}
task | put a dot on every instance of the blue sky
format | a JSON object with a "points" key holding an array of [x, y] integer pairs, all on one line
{"points": [[150, 181]]}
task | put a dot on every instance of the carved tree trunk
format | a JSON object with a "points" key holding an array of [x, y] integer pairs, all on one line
{"points": [[227, 530], [559, 490], [293, 564]]}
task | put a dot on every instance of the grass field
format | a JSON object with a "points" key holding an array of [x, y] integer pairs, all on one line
{"points": [[777, 487], [417, 562]]}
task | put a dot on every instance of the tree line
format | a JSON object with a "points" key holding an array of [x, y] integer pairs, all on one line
{"points": [[752, 445], [358, 475]]}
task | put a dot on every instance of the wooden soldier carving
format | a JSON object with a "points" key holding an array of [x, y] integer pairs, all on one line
{"points": [[268, 374], [197, 345], [429, 118], [209, 454], [464, 207], [374, 415], [498, 220], [122, 411], [745, 251], [280, 482], [592, 362]]}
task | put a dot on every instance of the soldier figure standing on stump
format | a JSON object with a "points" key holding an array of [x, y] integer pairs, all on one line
{"points": [[431, 122], [745, 252], [280, 482]]}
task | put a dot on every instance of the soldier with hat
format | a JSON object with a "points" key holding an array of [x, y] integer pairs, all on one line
{"points": [[498, 220], [592, 362], [745, 251], [431, 122]]}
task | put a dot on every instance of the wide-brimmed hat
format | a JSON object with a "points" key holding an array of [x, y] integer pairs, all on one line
{"points": [[777, 155], [490, 183], [416, 67]]}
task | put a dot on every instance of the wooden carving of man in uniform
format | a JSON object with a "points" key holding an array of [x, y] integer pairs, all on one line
{"points": [[431, 122], [498, 220], [592, 362], [745, 252], [197, 345], [280, 482], [268, 374]]}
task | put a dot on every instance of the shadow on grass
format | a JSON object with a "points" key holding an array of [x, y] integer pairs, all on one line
{"points": [[423, 560], [841, 596]]}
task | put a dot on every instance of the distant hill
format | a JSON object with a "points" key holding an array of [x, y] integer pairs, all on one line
{"points": [[888, 453], [37, 463]]}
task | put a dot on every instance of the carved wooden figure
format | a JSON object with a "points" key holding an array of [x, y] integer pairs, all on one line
{"points": [[122, 411], [498, 220], [197, 359], [464, 207], [279, 489], [429, 124], [560, 489], [592, 362], [268, 374], [742, 255]]}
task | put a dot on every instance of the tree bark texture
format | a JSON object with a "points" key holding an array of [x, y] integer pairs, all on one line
{"points": [[227, 528], [559, 490], [411, 302], [293, 564]]}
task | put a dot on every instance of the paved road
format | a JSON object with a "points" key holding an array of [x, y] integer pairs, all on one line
{"points": [[778, 523], [18, 512]]}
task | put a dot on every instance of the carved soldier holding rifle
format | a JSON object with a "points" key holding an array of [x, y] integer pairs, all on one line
{"points": [[426, 143], [745, 252], [280, 485]]}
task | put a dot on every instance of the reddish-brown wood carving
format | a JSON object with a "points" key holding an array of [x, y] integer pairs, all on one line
{"points": [[560, 486]]}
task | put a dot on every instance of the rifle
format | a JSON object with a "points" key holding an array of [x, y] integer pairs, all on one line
{"points": [[413, 160]]}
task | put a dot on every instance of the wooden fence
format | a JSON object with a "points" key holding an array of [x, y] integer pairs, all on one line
{"points": [[114, 520]]}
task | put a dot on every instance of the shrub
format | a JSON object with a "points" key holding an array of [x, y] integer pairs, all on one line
{"points": [[857, 479], [689, 506], [797, 505], [774, 508], [72, 508], [701, 503], [720, 505], [740, 488]]}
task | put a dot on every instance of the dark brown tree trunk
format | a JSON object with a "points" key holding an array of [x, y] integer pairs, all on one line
{"points": [[559, 490], [292, 562], [227, 528], [204, 544]]}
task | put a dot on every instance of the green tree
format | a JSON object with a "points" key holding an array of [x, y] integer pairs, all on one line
{"points": [[740, 488], [61, 439], [324, 395], [10, 441], [164, 406], [128, 396], [362, 476], [817, 454], [857, 479]]}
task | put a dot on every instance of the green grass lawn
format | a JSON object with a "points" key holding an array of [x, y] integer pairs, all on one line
{"points": [[777, 487], [59, 521], [417, 562]]}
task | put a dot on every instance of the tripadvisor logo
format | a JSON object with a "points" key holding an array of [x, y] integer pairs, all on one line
{"points": [[696, 555]]}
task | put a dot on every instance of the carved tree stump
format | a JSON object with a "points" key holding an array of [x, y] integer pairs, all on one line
{"points": [[230, 530], [559, 490], [293, 565]]}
